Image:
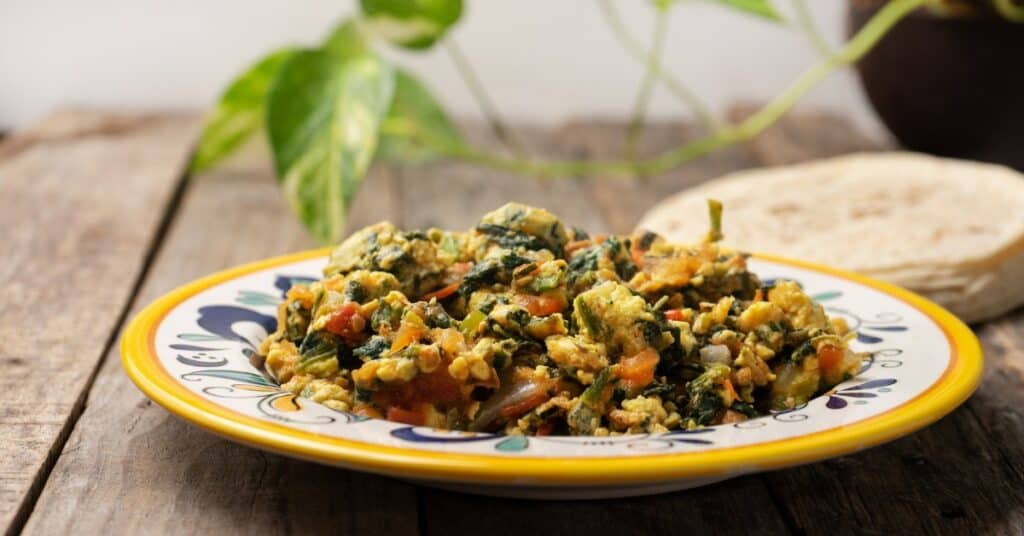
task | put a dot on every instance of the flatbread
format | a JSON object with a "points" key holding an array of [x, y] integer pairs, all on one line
{"points": [[950, 229]]}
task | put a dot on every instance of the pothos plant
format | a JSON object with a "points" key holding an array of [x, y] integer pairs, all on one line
{"points": [[331, 109]]}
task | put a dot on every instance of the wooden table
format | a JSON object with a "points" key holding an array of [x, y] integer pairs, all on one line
{"points": [[98, 217]]}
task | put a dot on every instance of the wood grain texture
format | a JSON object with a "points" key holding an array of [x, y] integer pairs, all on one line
{"points": [[962, 475], [129, 467], [132, 468], [81, 200]]}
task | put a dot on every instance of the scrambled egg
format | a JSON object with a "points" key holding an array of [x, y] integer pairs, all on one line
{"points": [[525, 325]]}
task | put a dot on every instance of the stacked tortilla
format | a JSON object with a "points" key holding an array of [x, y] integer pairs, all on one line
{"points": [[949, 229]]}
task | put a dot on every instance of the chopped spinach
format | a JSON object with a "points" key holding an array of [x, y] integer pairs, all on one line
{"points": [[296, 322], [586, 414], [482, 274], [647, 240], [372, 349], [805, 350], [590, 320], [659, 389], [355, 292], [386, 314], [511, 239], [317, 346], [745, 409]]}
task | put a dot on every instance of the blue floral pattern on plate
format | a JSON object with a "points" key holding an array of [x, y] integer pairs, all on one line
{"points": [[207, 341]]}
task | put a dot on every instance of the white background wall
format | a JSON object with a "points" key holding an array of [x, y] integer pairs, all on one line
{"points": [[542, 60]]}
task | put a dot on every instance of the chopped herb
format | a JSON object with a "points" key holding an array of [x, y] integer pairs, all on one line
{"points": [[590, 320], [510, 238], [317, 346], [355, 291], [471, 323], [372, 349]]}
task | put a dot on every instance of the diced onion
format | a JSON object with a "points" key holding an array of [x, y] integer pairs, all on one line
{"points": [[508, 395], [716, 353]]}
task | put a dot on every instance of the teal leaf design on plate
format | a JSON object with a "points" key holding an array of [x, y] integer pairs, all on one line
{"points": [[825, 296], [255, 298], [514, 443], [237, 375], [200, 337]]}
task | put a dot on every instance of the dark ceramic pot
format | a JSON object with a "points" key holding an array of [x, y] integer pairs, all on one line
{"points": [[952, 87]]}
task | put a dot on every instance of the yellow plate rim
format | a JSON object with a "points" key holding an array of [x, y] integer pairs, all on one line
{"points": [[960, 379]]}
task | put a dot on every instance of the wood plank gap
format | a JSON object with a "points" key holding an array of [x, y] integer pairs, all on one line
{"points": [[788, 521], [35, 490]]}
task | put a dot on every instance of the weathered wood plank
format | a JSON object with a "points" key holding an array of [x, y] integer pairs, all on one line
{"points": [[81, 199], [962, 475], [131, 468], [731, 507]]}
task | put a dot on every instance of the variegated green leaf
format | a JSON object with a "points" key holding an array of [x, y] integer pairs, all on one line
{"points": [[414, 116], [239, 113], [346, 39], [414, 24], [761, 8], [324, 115]]}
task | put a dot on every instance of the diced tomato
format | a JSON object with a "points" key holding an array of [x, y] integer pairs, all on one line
{"points": [[524, 405], [346, 322], [829, 357], [546, 428], [758, 295], [675, 314], [415, 418], [442, 292], [437, 386], [543, 305], [638, 370]]}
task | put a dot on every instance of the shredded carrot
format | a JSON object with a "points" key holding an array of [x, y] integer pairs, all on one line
{"points": [[730, 389], [442, 292], [407, 334], [540, 305], [575, 245]]}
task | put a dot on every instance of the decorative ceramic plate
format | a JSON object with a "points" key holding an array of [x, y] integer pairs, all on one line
{"points": [[189, 351]]}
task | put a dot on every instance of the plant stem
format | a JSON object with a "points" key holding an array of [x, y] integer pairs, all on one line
{"points": [[853, 50], [487, 106], [643, 96], [673, 84], [806, 22]]}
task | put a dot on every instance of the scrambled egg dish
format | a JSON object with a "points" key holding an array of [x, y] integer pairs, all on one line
{"points": [[523, 325]]}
